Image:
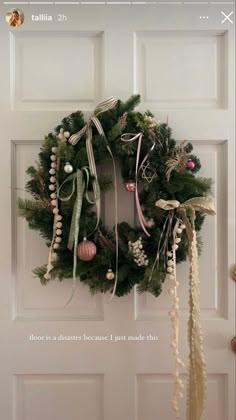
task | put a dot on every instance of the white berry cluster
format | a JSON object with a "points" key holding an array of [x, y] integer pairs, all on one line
{"points": [[136, 248], [150, 121]]}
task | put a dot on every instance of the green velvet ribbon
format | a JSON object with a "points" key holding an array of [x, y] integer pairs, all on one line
{"points": [[79, 180]]}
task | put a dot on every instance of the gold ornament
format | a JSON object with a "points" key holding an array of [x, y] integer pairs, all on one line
{"points": [[110, 275]]}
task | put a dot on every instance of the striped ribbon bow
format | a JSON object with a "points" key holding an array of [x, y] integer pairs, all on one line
{"points": [[93, 121]]}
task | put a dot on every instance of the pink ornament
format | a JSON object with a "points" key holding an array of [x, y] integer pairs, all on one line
{"points": [[86, 250], [130, 186], [150, 223], [190, 164]]}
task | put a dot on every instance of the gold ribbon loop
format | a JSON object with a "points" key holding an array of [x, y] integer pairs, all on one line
{"points": [[202, 204]]}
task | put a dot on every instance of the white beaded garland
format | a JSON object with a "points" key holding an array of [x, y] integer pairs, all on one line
{"points": [[55, 211], [58, 240], [52, 187], [169, 270], [59, 224], [53, 196], [54, 202], [177, 240], [53, 165], [179, 230], [52, 179], [54, 149], [169, 254], [52, 171], [53, 158], [170, 263], [55, 246], [175, 247], [58, 232], [59, 217]]}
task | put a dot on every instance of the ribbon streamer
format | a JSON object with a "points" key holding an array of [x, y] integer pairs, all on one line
{"points": [[93, 121], [80, 186], [128, 138], [196, 392]]}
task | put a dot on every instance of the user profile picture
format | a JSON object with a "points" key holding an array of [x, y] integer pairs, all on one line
{"points": [[15, 17]]}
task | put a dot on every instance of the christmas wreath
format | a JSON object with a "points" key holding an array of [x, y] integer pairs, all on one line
{"points": [[67, 184], [165, 171]]}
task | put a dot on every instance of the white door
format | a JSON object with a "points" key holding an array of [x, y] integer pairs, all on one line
{"points": [[183, 66]]}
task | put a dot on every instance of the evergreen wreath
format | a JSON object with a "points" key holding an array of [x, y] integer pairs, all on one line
{"points": [[168, 172]]}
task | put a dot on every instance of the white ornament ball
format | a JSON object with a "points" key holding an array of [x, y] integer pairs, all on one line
{"points": [[54, 149], [51, 187], [66, 134], [53, 158], [52, 171], [52, 179], [55, 246], [58, 240], [169, 270], [59, 224], [53, 165], [58, 232], [68, 168], [53, 196]]}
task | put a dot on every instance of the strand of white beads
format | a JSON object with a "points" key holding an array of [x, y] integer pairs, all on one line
{"points": [[57, 222], [174, 316]]}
